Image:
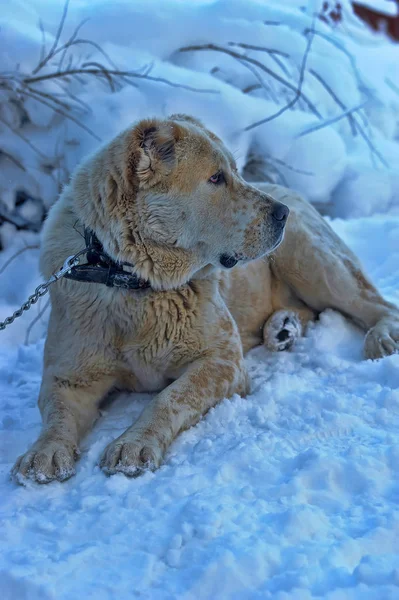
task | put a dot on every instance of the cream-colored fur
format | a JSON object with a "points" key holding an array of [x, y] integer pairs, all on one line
{"points": [[149, 198]]}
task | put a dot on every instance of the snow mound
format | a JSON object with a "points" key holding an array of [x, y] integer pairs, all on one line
{"points": [[290, 494], [350, 85]]}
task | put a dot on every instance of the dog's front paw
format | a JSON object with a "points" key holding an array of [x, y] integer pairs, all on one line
{"points": [[382, 340], [46, 461], [281, 330], [131, 455]]}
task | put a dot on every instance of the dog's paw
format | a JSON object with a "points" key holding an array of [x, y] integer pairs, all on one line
{"points": [[46, 461], [131, 455], [382, 340], [281, 330]]}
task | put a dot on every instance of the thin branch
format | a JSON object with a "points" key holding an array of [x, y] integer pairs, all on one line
{"points": [[340, 47], [251, 88], [355, 125], [371, 146], [43, 46], [74, 98], [62, 113], [391, 84], [12, 159], [16, 254], [298, 91], [259, 48], [290, 167], [35, 320], [328, 122], [50, 54], [262, 84], [100, 71], [242, 57], [333, 95], [80, 41], [25, 139], [50, 97]]}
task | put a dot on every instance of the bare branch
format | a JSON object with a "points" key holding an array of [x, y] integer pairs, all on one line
{"points": [[50, 54], [109, 72], [333, 95], [259, 48], [25, 139], [391, 84], [290, 167], [35, 320], [298, 91], [262, 84], [355, 125], [371, 146], [12, 159], [43, 46], [261, 66], [16, 254], [251, 88], [33, 94], [328, 122], [82, 41]]}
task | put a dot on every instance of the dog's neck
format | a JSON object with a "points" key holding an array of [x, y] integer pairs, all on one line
{"points": [[105, 200]]}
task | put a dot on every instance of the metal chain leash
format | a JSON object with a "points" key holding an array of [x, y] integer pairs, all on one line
{"points": [[42, 289]]}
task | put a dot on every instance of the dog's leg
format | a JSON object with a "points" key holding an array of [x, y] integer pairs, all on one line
{"points": [[285, 326], [179, 406], [324, 273], [68, 410]]}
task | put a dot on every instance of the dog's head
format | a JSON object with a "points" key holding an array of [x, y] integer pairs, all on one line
{"points": [[167, 197]]}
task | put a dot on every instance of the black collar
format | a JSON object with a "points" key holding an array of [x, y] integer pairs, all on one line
{"points": [[101, 268]]}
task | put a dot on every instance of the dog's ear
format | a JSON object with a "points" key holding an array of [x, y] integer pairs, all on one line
{"points": [[155, 142], [187, 118]]}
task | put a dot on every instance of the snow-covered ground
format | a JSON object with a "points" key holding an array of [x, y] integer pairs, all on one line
{"points": [[292, 493]]}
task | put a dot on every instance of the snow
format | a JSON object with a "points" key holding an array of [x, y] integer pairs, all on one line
{"points": [[292, 493], [347, 65]]}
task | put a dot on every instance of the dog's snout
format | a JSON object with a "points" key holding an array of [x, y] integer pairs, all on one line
{"points": [[280, 212]]}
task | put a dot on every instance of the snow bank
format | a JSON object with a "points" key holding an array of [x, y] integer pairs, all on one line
{"points": [[290, 494], [350, 166]]}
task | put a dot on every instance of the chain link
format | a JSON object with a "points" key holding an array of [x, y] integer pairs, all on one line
{"points": [[42, 289]]}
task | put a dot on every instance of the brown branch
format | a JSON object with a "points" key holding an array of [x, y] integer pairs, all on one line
{"points": [[242, 57], [61, 112], [273, 54], [251, 88], [51, 52], [100, 71], [260, 48], [298, 91]]}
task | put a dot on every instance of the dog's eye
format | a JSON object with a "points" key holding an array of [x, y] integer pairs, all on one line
{"points": [[217, 178]]}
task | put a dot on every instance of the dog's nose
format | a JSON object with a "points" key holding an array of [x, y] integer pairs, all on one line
{"points": [[280, 212]]}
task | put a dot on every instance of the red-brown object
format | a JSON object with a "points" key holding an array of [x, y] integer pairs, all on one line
{"points": [[378, 20]]}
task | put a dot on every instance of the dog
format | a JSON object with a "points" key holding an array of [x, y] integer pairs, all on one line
{"points": [[218, 267]]}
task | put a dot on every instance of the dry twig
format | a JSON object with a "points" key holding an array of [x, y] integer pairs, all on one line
{"points": [[16, 254], [242, 58]]}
